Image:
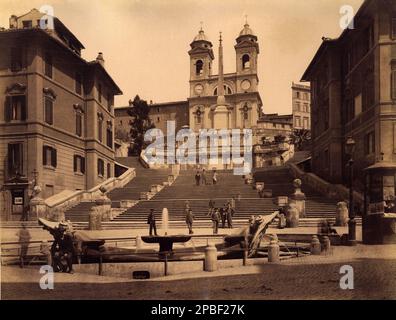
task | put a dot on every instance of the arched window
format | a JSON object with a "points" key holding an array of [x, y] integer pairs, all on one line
{"points": [[245, 61], [227, 90], [199, 67]]}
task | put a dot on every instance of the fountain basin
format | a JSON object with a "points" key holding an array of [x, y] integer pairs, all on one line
{"points": [[166, 242]]}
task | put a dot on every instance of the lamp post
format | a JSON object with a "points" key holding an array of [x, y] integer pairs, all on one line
{"points": [[349, 150]]}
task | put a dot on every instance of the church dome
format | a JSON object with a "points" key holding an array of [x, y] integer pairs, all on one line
{"points": [[246, 31], [201, 36]]}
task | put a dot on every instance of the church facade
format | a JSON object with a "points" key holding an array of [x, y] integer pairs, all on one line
{"points": [[240, 99]]}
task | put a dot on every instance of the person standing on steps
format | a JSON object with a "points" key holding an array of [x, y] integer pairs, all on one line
{"points": [[186, 207], [151, 221], [203, 177], [223, 216], [214, 179], [189, 221], [211, 207], [230, 214], [197, 178], [232, 202], [215, 220]]}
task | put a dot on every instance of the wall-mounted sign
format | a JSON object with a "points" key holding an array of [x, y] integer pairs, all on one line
{"points": [[18, 200]]}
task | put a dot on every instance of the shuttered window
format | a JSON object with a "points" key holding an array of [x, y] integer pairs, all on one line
{"points": [[49, 156], [15, 159], [109, 138], [49, 110], [100, 167], [79, 124], [15, 108], [394, 28], [108, 170], [79, 164]]}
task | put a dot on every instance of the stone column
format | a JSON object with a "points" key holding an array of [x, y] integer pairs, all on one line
{"points": [[298, 198]]}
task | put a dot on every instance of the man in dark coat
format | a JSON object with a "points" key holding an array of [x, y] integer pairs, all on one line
{"points": [[215, 220], [197, 178], [223, 216], [203, 177], [189, 221], [63, 249], [211, 207], [230, 213], [151, 222]]}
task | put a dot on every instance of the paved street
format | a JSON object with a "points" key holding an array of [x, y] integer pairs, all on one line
{"points": [[313, 277]]}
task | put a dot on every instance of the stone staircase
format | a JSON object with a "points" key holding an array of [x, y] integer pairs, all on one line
{"points": [[278, 179], [143, 181]]}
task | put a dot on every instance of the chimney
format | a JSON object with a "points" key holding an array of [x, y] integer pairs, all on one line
{"points": [[13, 22], [100, 59]]}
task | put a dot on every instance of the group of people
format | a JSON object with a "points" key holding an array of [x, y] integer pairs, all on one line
{"points": [[223, 214], [218, 215], [200, 177]]}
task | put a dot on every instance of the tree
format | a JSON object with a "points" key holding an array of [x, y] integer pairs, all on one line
{"points": [[301, 138], [279, 138], [139, 111]]}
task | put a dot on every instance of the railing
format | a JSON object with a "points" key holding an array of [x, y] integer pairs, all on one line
{"points": [[78, 196], [331, 191]]}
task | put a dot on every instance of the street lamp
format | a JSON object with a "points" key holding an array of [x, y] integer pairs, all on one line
{"points": [[349, 150]]}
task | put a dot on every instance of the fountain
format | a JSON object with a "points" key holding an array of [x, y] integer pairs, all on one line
{"points": [[165, 241], [247, 238]]}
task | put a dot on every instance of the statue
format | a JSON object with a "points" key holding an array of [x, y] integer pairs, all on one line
{"points": [[342, 214]]}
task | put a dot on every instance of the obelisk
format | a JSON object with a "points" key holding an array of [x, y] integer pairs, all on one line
{"points": [[220, 119]]}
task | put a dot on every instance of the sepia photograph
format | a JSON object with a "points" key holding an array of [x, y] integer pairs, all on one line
{"points": [[211, 151]]}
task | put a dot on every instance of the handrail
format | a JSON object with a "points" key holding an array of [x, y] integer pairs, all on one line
{"points": [[84, 193]]}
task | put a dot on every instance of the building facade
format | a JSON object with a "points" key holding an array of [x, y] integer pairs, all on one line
{"points": [[56, 113], [271, 125], [353, 90], [301, 104], [242, 100], [240, 88], [159, 114]]}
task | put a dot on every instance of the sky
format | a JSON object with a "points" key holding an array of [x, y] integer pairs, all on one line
{"points": [[145, 42]]}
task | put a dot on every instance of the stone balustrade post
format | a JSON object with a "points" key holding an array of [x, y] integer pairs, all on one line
{"points": [[210, 258], [298, 197]]}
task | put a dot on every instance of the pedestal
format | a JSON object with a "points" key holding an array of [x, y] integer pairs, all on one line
{"points": [[220, 119], [292, 216], [38, 208], [342, 214], [298, 198], [210, 258]]}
